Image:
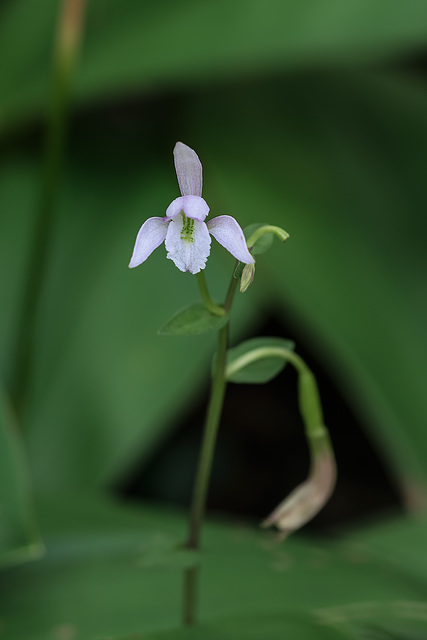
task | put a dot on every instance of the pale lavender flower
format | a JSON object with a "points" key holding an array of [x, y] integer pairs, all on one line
{"points": [[186, 235]]}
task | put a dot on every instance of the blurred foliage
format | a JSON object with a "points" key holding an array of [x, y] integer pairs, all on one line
{"points": [[93, 583], [305, 115], [18, 537]]}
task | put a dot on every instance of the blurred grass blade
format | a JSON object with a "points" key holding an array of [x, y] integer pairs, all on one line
{"points": [[118, 54], [272, 626], [19, 540], [68, 33], [91, 585], [346, 177]]}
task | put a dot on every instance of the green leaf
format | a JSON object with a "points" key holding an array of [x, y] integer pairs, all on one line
{"points": [[193, 321], [400, 543], [100, 397], [164, 551], [401, 620], [19, 539], [134, 50], [90, 582], [271, 626], [331, 183], [263, 370]]}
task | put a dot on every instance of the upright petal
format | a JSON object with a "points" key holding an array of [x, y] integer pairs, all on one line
{"points": [[188, 244], [150, 236], [193, 207], [188, 170], [228, 232]]}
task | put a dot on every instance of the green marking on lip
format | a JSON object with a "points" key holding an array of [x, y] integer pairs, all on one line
{"points": [[187, 229]]}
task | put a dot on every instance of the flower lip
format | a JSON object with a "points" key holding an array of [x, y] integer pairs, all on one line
{"points": [[193, 207], [188, 252]]}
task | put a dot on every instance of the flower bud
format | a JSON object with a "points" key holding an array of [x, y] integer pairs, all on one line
{"points": [[304, 502], [247, 278]]}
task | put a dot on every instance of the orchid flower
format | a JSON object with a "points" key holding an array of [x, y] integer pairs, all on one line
{"points": [[186, 235]]}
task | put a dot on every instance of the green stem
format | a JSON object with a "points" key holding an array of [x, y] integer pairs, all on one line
{"points": [[308, 393], [209, 303], [261, 353], [309, 497], [204, 468], [267, 228], [67, 40]]}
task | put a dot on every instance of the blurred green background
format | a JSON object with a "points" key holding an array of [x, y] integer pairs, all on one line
{"points": [[310, 115]]}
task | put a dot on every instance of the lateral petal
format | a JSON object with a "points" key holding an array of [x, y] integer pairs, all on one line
{"points": [[227, 231], [188, 170], [150, 236]]}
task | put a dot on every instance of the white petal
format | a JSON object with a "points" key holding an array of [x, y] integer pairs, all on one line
{"points": [[188, 255], [228, 232], [188, 170], [193, 207], [150, 236]]}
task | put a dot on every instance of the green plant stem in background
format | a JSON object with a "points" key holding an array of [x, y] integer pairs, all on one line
{"points": [[201, 483], [65, 52]]}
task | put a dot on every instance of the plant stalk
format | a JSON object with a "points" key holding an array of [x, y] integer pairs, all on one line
{"points": [[66, 47], [207, 300], [213, 416]]}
